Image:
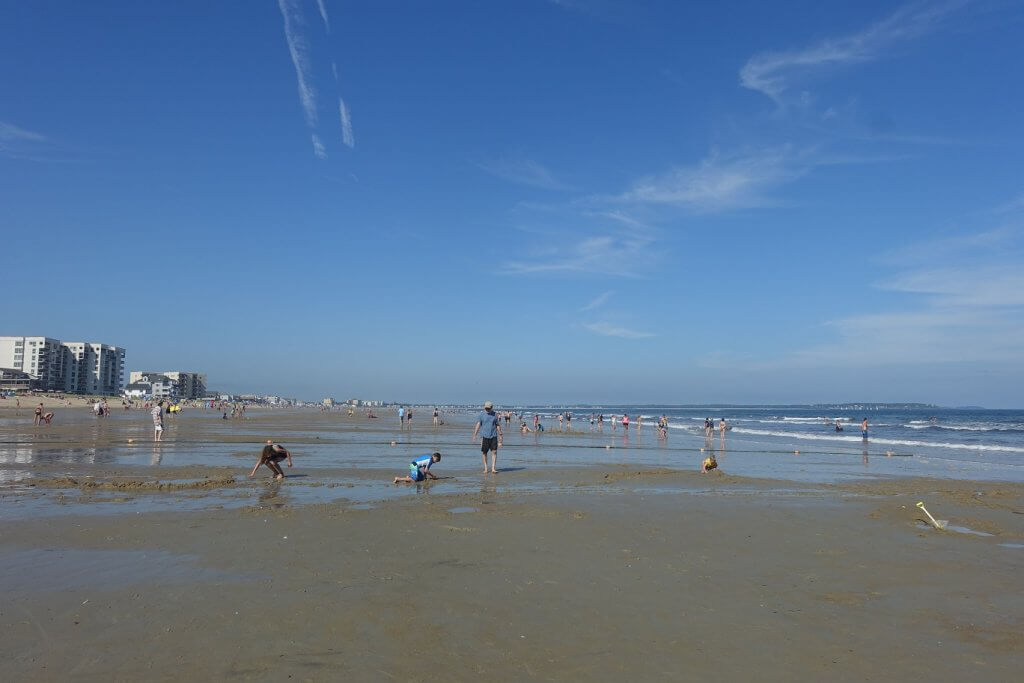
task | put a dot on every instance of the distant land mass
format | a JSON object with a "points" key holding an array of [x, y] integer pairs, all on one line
{"points": [[747, 406], [875, 406]]}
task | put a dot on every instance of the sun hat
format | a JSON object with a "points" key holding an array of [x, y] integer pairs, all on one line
{"points": [[488, 405]]}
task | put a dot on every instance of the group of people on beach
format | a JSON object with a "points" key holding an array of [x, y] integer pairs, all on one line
{"points": [[488, 428], [405, 417], [709, 427], [42, 417]]}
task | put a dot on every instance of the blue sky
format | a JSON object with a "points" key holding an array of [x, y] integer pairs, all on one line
{"points": [[574, 200]]}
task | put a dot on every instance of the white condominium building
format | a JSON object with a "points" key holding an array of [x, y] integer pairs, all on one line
{"points": [[42, 358], [94, 368], [74, 367], [190, 384]]}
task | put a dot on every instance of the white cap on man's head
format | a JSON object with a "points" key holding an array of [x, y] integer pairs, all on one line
{"points": [[488, 405]]}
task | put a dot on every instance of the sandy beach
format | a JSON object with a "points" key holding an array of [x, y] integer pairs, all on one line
{"points": [[128, 560]]}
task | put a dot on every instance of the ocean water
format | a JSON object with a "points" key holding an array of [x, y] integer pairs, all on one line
{"points": [[963, 443]]}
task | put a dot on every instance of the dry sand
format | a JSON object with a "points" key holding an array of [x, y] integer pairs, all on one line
{"points": [[583, 573]]}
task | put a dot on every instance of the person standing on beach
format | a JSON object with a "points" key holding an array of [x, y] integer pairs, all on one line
{"points": [[488, 425], [273, 453], [864, 429], [158, 421], [39, 414], [722, 428], [625, 422], [401, 417], [436, 417]]}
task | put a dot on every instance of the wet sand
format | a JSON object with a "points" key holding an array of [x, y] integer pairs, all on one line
{"points": [[543, 572]]}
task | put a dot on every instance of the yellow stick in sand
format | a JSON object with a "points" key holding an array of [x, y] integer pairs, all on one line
{"points": [[938, 523]]}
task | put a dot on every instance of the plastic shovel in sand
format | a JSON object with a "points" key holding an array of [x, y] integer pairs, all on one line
{"points": [[937, 523]]}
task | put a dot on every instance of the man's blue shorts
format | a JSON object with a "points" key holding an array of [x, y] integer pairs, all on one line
{"points": [[414, 473]]}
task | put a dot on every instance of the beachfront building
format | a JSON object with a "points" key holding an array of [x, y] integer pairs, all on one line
{"points": [[138, 390], [190, 385], [157, 385], [73, 367], [42, 358], [14, 380], [93, 368], [152, 385]]}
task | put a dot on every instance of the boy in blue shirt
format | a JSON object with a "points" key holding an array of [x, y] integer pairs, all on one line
{"points": [[419, 469]]}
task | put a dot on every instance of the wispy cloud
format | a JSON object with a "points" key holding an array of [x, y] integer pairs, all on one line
{"points": [[299, 50], [962, 247], [624, 218], [346, 124], [992, 286], [722, 182], [524, 172], [28, 145], [934, 336], [1016, 204], [970, 308], [322, 6], [773, 73], [10, 132], [318, 147], [607, 329], [598, 301], [612, 254], [738, 180]]}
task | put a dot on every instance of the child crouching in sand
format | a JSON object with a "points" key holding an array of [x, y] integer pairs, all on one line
{"points": [[419, 469], [709, 464]]}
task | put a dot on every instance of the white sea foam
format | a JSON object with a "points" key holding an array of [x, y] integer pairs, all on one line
{"points": [[816, 422], [882, 441], [975, 427]]}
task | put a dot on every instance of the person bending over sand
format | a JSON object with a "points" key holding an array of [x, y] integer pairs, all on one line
{"points": [[419, 469], [709, 464], [273, 453]]}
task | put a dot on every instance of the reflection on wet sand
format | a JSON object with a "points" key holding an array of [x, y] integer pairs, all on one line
{"points": [[27, 455]]}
